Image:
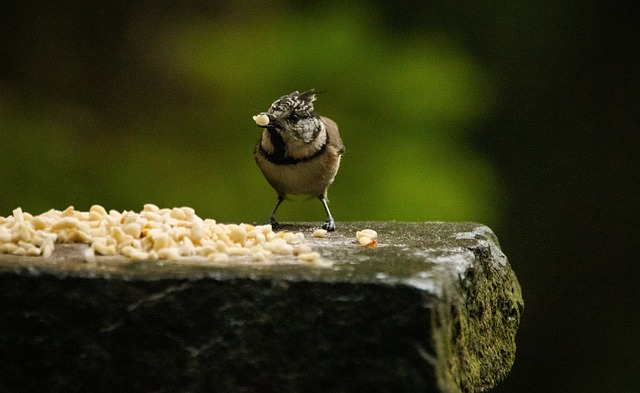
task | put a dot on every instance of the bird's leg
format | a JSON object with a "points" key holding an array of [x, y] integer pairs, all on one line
{"points": [[272, 218], [329, 224]]}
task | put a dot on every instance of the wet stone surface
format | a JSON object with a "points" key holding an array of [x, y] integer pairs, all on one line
{"points": [[434, 308]]}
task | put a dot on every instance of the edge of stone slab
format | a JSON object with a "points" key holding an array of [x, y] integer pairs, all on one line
{"points": [[465, 327], [489, 312]]}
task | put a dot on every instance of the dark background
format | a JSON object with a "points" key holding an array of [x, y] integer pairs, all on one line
{"points": [[521, 115]]}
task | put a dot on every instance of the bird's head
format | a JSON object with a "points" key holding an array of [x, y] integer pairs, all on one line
{"points": [[293, 116]]}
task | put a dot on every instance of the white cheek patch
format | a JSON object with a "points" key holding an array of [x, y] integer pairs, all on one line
{"points": [[307, 133]]}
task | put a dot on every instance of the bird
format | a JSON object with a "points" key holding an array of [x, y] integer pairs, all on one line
{"points": [[299, 151]]}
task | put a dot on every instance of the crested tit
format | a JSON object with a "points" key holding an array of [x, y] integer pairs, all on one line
{"points": [[299, 151]]}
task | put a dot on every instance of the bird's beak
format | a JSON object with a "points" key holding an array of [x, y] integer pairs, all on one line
{"points": [[265, 120]]}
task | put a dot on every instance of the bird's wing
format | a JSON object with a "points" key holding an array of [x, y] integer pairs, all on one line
{"points": [[333, 134]]}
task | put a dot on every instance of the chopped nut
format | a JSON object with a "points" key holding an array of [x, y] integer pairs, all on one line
{"points": [[293, 238], [9, 248], [169, 253], [367, 238], [151, 234], [133, 229], [65, 223], [370, 233], [218, 257], [5, 237], [97, 211], [261, 119], [238, 235], [17, 215], [103, 249], [19, 251], [89, 255], [47, 249], [319, 232], [33, 250], [309, 256], [366, 241]]}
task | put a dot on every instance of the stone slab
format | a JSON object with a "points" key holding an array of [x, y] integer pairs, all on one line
{"points": [[434, 308]]}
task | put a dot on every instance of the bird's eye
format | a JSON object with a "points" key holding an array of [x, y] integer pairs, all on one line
{"points": [[294, 117]]}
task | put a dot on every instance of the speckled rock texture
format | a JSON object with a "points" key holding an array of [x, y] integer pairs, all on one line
{"points": [[434, 308]]}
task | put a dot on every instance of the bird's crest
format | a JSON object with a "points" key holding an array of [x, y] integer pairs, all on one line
{"points": [[296, 101]]}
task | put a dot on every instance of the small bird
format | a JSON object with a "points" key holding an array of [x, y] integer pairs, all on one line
{"points": [[299, 151]]}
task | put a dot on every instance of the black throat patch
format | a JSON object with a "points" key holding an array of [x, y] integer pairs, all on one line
{"points": [[279, 155]]}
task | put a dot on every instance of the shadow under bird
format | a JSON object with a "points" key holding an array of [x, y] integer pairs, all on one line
{"points": [[299, 151]]}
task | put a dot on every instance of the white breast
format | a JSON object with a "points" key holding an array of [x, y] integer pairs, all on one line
{"points": [[305, 178]]}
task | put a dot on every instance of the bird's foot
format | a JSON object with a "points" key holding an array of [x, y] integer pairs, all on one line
{"points": [[329, 225], [274, 224]]}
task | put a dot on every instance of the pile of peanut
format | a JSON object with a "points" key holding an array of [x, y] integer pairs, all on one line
{"points": [[151, 234]]}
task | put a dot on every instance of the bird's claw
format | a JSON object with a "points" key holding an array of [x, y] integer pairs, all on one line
{"points": [[329, 225], [274, 224]]}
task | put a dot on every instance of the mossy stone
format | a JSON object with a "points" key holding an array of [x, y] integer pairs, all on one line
{"points": [[434, 308]]}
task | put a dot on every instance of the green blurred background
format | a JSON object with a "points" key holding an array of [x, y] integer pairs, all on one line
{"points": [[522, 116]]}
